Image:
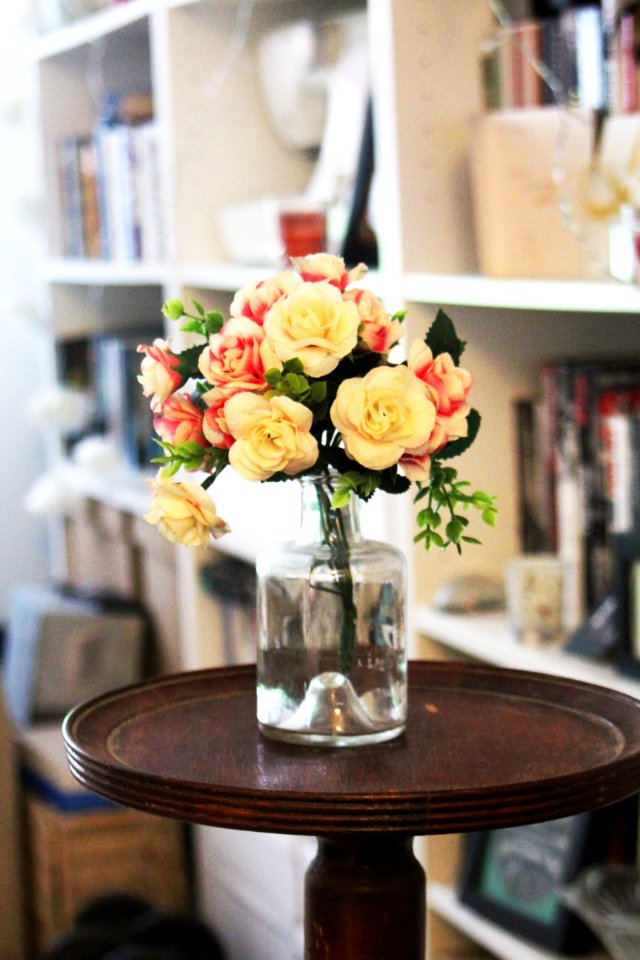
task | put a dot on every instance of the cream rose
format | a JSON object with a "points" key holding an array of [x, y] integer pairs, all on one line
{"points": [[315, 325], [272, 436], [238, 356], [325, 266], [383, 415], [184, 513]]}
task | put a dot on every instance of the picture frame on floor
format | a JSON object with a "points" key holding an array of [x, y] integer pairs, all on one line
{"points": [[515, 876]]}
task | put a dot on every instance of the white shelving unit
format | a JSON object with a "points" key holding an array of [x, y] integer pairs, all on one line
{"points": [[488, 638], [197, 58], [444, 903]]}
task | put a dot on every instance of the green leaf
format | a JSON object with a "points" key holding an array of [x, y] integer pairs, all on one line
{"points": [[318, 391], [456, 447], [213, 322], [198, 307], [489, 516], [340, 498], [272, 376], [442, 338], [293, 366], [189, 362], [173, 309], [192, 326]]}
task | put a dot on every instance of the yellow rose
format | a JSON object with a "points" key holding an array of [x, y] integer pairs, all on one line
{"points": [[315, 325], [383, 415], [272, 436], [184, 513]]}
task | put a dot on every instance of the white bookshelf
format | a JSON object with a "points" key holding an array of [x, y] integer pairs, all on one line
{"points": [[197, 57]]}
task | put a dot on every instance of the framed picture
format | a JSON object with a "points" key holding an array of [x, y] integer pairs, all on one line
{"points": [[626, 589], [514, 877]]}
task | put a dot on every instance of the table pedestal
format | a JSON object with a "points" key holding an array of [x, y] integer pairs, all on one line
{"points": [[364, 898]]}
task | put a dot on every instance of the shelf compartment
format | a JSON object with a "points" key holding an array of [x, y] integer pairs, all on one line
{"points": [[487, 637], [444, 902]]}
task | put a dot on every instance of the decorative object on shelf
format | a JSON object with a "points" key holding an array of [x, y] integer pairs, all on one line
{"points": [[534, 590], [516, 876], [607, 898], [298, 384], [626, 589]]}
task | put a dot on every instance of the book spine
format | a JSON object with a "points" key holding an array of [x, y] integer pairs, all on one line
{"points": [[70, 197], [590, 57], [570, 507], [91, 227]]}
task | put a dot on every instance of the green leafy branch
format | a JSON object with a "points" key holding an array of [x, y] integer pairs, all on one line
{"points": [[291, 382], [190, 456], [446, 494], [204, 322], [364, 485]]}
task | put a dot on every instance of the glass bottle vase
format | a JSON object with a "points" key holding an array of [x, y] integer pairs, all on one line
{"points": [[332, 658]]}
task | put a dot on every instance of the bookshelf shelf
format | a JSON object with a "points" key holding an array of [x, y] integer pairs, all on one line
{"points": [[487, 637], [91, 28], [606, 297], [443, 901], [103, 272]]}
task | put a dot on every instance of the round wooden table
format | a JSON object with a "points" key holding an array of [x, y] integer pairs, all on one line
{"points": [[484, 748]]}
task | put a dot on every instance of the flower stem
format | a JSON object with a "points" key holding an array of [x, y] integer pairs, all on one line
{"points": [[335, 537]]}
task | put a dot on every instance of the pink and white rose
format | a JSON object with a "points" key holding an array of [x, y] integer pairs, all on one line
{"points": [[238, 356], [379, 332], [159, 375], [271, 436], [214, 424], [180, 421], [448, 386], [184, 513], [254, 300], [325, 266], [315, 325], [383, 416]]}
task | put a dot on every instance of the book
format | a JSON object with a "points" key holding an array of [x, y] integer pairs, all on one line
{"points": [[123, 410], [88, 173], [591, 455], [69, 178]]}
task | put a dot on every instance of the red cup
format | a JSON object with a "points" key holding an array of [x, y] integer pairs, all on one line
{"points": [[303, 231]]}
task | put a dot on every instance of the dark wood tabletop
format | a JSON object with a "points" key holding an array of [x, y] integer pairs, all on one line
{"points": [[484, 748]]}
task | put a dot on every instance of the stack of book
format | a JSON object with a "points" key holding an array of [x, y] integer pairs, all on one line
{"points": [[579, 469], [109, 186], [124, 411], [552, 60]]}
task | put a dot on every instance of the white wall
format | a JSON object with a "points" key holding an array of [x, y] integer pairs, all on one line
{"points": [[23, 540]]}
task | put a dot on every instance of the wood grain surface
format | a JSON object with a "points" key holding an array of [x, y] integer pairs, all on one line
{"points": [[484, 748]]}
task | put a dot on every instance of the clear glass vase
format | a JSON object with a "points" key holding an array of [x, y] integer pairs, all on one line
{"points": [[332, 658]]}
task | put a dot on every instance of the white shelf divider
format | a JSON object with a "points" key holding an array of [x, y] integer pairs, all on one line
{"points": [[112, 273], [568, 296], [92, 27], [444, 902], [487, 637]]}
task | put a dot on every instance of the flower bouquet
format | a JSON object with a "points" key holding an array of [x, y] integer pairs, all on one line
{"points": [[298, 383]]}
